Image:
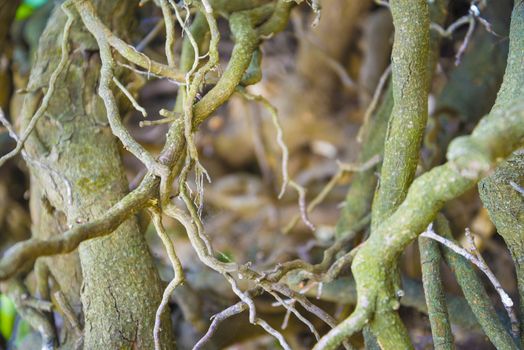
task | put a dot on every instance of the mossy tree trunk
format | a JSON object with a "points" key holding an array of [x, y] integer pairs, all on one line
{"points": [[78, 169]]}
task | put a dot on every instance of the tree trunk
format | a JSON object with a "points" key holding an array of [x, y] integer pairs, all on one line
{"points": [[78, 166]]}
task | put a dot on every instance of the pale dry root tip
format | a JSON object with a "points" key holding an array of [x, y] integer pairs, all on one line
{"points": [[217, 319], [50, 88], [280, 135], [516, 187], [344, 169], [178, 278], [130, 97], [474, 256], [302, 204]]}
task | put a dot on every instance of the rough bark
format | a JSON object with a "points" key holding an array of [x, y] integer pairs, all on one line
{"points": [[430, 259], [82, 177], [500, 195]]}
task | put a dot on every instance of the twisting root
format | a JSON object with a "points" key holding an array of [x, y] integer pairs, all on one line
{"points": [[92, 23], [51, 87], [194, 80], [170, 33], [178, 279]]}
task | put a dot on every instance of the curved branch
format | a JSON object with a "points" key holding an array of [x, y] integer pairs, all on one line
{"points": [[469, 159]]}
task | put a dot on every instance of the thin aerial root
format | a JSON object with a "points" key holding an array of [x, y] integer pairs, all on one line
{"points": [[93, 25], [178, 271], [244, 297], [133, 101], [344, 169], [374, 102], [302, 204], [217, 320], [290, 308], [280, 135], [465, 42], [274, 333], [170, 33], [470, 19]]}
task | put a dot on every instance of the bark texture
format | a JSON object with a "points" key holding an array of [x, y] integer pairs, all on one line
{"points": [[500, 195], [79, 168]]}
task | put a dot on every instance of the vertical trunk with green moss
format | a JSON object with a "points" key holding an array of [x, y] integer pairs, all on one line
{"points": [[79, 168], [500, 195]]}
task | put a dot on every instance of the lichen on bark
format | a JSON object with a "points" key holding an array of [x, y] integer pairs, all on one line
{"points": [[121, 289]]}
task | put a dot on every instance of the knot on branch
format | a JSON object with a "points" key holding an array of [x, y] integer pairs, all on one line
{"points": [[470, 157]]}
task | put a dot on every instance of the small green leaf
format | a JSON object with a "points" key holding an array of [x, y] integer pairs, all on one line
{"points": [[7, 316], [225, 257]]}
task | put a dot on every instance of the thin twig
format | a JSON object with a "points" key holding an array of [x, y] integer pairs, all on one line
{"points": [[374, 102], [217, 320], [344, 169], [478, 261], [280, 135], [126, 92]]}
